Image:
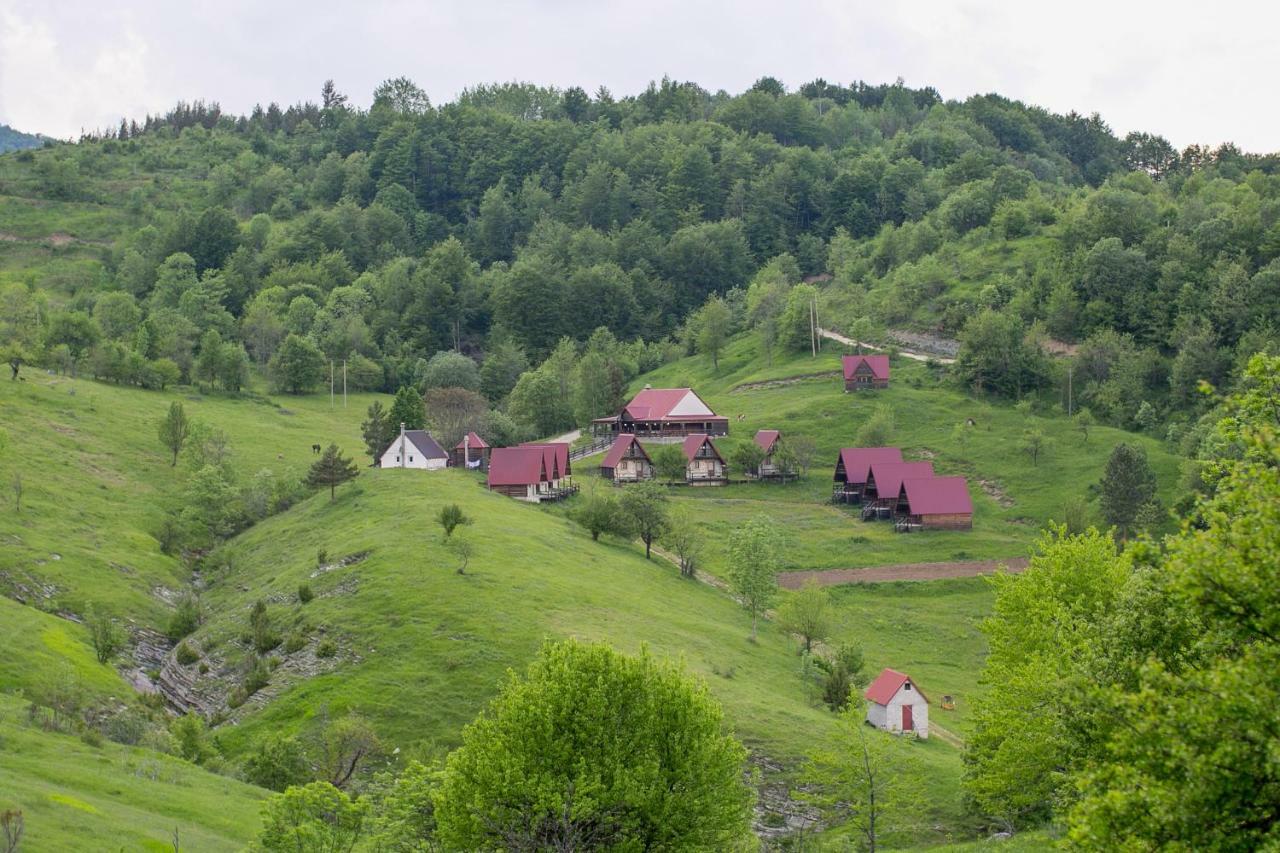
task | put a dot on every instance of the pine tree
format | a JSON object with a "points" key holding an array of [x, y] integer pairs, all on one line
{"points": [[377, 430], [1127, 485], [332, 469]]}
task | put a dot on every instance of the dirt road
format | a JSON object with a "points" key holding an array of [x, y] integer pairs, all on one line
{"points": [[905, 353], [901, 572]]}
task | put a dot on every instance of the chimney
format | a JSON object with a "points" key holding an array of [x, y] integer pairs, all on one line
{"points": [[402, 429], [402, 447]]}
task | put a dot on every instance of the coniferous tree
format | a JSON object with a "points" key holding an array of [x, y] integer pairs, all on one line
{"points": [[1128, 484], [331, 469]]}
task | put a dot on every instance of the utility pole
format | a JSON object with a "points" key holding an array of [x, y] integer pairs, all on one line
{"points": [[813, 334], [1069, 389], [344, 383], [817, 325], [331, 383]]}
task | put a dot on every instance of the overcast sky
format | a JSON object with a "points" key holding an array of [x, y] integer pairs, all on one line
{"points": [[1191, 72]]}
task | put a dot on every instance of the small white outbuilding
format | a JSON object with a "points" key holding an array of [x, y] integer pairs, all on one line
{"points": [[414, 448], [895, 704]]}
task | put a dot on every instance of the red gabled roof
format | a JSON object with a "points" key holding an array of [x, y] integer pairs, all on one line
{"points": [[938, 496], [695, 441], [473, 440], [517, 466], [557, 453], [887, 685], [655, 404], [879, 365], [889, 475], [858, 460], [766, 438], [619, 449]]}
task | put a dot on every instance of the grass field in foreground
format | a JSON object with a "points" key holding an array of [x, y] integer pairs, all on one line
{"points": [[110, 797]]}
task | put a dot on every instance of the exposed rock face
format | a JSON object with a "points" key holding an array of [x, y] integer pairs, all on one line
{"points": [[777, 816]]}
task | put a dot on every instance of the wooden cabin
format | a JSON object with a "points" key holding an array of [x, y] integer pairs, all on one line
{"points": [[518, 472], [768, 440], [414, 448], [704, 464], [884, 482], [472, 452], [896, 704], [627, 461], [663, 413], [865, 372], [559, 466], [852, 466], [934, 503]]}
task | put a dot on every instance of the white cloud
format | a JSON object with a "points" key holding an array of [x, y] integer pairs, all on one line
{"points": [[1177, 69]]}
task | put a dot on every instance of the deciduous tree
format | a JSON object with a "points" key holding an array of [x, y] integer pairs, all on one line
{"points": [[755, 556]]}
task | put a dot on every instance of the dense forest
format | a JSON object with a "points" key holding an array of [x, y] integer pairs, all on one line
{"points": [[520, 225]]}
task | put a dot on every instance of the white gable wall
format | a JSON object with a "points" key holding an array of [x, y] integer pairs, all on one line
{"points": [[690, 406], [889, 717], [404, 449]]}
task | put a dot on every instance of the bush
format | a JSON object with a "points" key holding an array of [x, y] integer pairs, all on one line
{"points": [[277, 763], [127, 727], [185, 655], [326, 649], [295, 642], [92, 737], [108, 639], [191, 738], [305, 594], [263, 634], [185, 619]]}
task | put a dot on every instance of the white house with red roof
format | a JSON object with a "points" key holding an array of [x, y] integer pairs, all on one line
{"points": [[864, 372], [895, 703], [663, 413]]}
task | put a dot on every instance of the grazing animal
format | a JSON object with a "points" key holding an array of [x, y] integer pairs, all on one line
{"points": [[970, 422], [280, 456], [315, 448]]}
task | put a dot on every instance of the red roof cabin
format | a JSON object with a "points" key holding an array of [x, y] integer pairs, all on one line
{"points": [[705, 466], [769, 440], [663, 412], [884, 482], [934, 503], [864, 372], [896, 704], [627, 461], [852, 467], [472, 452], [518, 472], [531, 472]]}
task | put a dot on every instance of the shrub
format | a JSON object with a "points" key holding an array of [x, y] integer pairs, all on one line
{"points": [[277, 763], [305, 594], [264, 636], [127, 727], [258, 676], [191, 738], [185, 655], [185, 618], [326, 649], [294, 642], [108, 639], [92, 737]]}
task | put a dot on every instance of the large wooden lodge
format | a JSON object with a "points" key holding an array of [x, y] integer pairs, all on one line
{"points": [[659, 413]]}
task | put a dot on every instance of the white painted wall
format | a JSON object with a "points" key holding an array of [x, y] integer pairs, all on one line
{"points": [[690, 405], [889, 717], [403, 448]]}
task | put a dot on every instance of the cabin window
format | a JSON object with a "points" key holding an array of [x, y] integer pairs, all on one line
{"points": [[411, 458], [397, 458], [906, 685]]}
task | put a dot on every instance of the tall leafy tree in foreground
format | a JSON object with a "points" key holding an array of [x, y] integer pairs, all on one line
{"points": [[311, 817], [1128, 485], [332, 469], [592, 749], [755, 555], [174, 430], [861, 777]]}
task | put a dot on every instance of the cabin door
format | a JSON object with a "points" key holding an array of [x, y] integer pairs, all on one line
{"points": [[908, 724]]}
